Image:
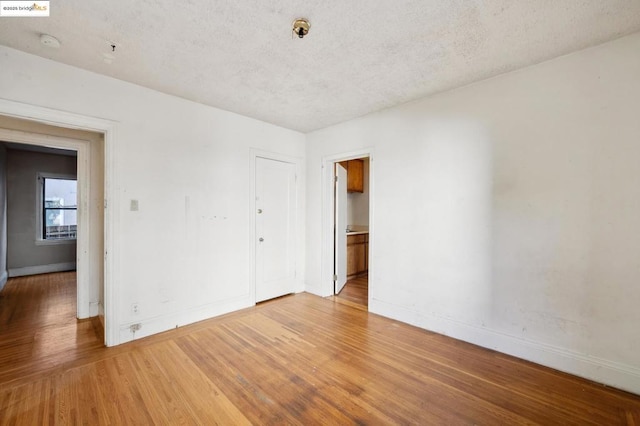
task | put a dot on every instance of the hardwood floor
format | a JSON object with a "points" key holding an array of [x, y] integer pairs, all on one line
{"points": [[296, 360], [355, 292], [38, 327]]}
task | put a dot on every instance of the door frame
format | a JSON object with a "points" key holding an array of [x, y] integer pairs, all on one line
{"points": [[340, 189], [255, 153], [84, 250], [328, 205]]}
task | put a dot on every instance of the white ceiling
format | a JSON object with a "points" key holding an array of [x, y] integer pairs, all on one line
{"points": [[360, 56]]}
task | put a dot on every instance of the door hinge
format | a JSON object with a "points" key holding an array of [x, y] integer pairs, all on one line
{"points": [[335, 179], [335, 277]]}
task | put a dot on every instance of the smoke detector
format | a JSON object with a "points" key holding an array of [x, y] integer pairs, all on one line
{"points": [[50, 41], [301, 27]]}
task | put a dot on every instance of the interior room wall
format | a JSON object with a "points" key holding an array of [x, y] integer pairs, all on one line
{"points": [[24, 255], [358, 202], [506, 212], [3, 216], [184, 255]]}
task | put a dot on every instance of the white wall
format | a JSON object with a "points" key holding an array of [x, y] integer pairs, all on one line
{"points": [[507, 213], [184, 256]]}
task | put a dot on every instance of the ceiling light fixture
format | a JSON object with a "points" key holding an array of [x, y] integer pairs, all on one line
{"points": [[49, 41], [301, 27]]}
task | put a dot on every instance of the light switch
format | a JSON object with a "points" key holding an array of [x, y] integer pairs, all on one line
{"points": [[134, 206]]}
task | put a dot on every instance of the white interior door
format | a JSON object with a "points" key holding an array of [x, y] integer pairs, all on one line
{"points": [[275, 228], [340, 249]]}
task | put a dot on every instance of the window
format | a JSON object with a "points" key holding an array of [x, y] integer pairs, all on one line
{"points": [[59, 208]]}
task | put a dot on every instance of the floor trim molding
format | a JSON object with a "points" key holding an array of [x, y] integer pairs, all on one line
{"points": [[619, 375], [42, 269]]}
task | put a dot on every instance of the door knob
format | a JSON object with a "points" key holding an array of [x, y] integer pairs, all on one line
{"points": [[261, 239], [259, 211]]}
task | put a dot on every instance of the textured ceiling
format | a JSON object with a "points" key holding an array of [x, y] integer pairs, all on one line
{"points": [[360, 56]]}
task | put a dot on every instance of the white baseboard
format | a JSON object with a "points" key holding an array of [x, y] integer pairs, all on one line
{"points": [[315, 289], [42, 269], [94, 309], [3, 279], [156, 325], [618, 375]]}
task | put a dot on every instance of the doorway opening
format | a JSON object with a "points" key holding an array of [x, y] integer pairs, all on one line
{"points": [[351, 219], [97, 281], [62, 217]]}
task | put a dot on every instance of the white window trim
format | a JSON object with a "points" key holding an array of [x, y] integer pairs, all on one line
{"points": [[39, 205]]}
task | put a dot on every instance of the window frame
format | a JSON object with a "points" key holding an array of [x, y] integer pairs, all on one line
{"points": [[40, 209]]}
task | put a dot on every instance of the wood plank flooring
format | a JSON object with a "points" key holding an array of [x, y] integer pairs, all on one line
{"points": [[38, 327], [355, 292], [296, 360]]}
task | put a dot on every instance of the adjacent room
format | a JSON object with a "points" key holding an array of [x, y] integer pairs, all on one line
{"points": [[407, 212]]}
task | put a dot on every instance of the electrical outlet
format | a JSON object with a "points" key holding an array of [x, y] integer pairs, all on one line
{"points": [[135, 327], [135, 309]]}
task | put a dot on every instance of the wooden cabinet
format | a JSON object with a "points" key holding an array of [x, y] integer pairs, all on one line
{"points": [[355, 175], [357, 254]]}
